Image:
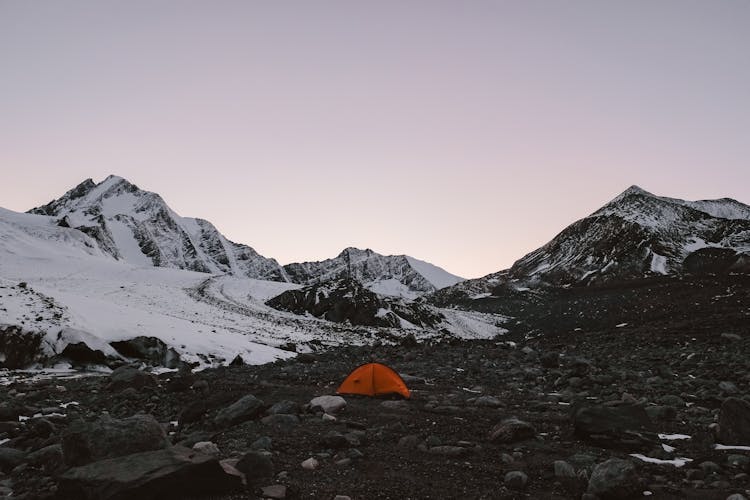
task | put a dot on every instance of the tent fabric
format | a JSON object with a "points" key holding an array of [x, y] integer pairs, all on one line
{"points": [[374, 379]]}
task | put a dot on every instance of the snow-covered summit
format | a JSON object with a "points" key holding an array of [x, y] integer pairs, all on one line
{"points": [[138, 227], [394, 275], [637, 234]]}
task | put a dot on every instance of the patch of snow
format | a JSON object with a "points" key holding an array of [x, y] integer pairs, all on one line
{"points": [[667, 448], [438, 277], [621, 325], [658, 263], [3, 441], [677, 462], [127, 244], [481, 296], [672, 437], [393, 288], [726, 447]]}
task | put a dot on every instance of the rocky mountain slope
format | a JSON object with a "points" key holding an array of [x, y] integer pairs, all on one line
{"points": [[138, 227], [347, 300], [395, 275], [635, 235]]}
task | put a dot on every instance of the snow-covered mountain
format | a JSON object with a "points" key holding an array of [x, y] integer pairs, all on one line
{"points": [[393, 275], [138, 227], [636, 234], [65, 298]]}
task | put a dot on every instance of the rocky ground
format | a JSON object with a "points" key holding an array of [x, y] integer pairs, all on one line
{"points": [[487, 419], [630, 393]]}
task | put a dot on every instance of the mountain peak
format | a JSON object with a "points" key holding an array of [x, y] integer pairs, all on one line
{"points": [[634, 191]]}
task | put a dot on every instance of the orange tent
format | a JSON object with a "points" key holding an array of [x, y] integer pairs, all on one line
{"points": [[373, 379]]}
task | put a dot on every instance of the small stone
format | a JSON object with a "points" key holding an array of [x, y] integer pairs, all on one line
{"points": [[277, 491], [512, 430], [564, 470], [207, 447], [310, 464], [516, 480], [262, 443], [329, 404], [615, 478], [342, 497], [408, 442]]}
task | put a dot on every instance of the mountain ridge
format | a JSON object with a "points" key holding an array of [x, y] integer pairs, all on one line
{"points": [[138, 226]]}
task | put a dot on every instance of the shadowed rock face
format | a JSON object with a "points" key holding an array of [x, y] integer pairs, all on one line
{"points": [[19, 348], [347, 300]]}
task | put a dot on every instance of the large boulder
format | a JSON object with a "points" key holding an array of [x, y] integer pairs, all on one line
{"points": [[127, 376], [613, 425], [176, 472], [80, 354], [10, 457], [246, 408], [86, 442], [614, 479], [149, 349], [734, 422]]}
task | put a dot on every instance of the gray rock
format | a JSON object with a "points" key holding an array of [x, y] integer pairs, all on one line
{"points": [[245, 408], [738, 460], [284, 407], [126, 376], [281, 420], [488, 401], [329, 404], [148, 475], [736, 496], [255, 465], [512, 430], [335, 440], [10, 458], [310, 464], [614, 479], [408, 442], [610, 420], [276, 491], [50, 458], [516, 480], [709, 467], [728, 387], [564, 470], [207, 448], [734, 422], [262, 443], [449, 451], [107, 437]]}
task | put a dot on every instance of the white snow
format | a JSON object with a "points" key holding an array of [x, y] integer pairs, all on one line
{"points": [[677, 462], [78, 293], [726, 447], [127, 244], [672, 437], [438, 277], [393, 288], [3, 441], [481, 296], [667, 448], [658, 263]]}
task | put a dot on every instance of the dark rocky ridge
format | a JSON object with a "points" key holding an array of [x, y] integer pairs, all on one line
{"points": [[348, 300], [636, 235]]}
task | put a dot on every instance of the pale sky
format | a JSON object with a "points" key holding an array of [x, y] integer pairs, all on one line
{"points": [[464, 133]]}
